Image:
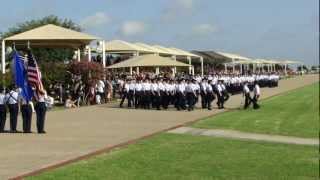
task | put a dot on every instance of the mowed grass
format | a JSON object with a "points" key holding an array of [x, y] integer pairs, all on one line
{"points": [[172, 156], [295, 113]]}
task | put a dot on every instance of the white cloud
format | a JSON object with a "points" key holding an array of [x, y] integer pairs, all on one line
{"points": [[185, 4], [176, 9], [203, 29], [96, 20], [131, 28]]}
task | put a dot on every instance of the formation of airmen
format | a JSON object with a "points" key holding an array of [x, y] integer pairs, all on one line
{"points": [[184, 93]]}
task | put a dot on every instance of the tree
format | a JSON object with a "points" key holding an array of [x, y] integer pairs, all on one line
{"points": [[90, 72], [45, 54]]}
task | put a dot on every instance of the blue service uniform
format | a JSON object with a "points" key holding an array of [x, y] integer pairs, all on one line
{"points": [[3, 111], [12, 101], [26, 112], [41, 110]]}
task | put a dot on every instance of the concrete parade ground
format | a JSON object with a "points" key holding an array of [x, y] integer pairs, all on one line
{"points": [[90, 130]]}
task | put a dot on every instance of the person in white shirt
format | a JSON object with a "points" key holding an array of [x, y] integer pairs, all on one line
{"points": [[209, 95], [196, 87], [41, 110], [246, 94], [69, 103], [146, 88], [155, 94], [256, 95], [219, 91], [138, 94], [3, 111], [190, 94], [124, 93], [26, 112], [181, 102], [162, 92], [131, 93], [203, 92], [166, 94], [12, 101], [100, 86]]}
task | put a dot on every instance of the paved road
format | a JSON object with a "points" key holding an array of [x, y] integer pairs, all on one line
{"points": [[226, 133], [76, 132]]}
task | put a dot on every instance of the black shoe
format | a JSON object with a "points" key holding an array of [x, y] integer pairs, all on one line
{"points": [[42, 132], [13, 131], [27, 132]]}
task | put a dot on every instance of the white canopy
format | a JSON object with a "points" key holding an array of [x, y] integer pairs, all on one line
{"points": [[123, 46], [52, 36], [150, 60], [234, 57]]}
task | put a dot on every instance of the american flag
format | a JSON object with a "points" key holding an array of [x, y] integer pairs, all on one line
{"points": [[34, 74]]}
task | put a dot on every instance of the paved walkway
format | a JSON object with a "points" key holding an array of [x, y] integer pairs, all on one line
{"points": [[243, 135], [78, 132]]}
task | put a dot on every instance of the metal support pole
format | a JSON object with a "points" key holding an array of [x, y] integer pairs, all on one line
{"points": [[189, 61], [3, 59], [175, 68], [201, 61], [131, 71], [89, 54], [192, 71], [78, 55], [104, 54], [285, 69]]}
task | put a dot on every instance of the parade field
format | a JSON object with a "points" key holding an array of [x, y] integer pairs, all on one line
{"points": [[169, 156], [295, 113], [173, 156]]}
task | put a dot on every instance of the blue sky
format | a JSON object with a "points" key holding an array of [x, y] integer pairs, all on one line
{"points": [[281, 29]]}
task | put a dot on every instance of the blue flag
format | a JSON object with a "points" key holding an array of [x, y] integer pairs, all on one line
{"points": [[21, 77]]}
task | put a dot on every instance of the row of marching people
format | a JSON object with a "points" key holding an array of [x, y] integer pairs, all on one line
{"points": [[14, 101], [183, 94]]}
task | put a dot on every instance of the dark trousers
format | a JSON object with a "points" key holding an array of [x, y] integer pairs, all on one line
{"points": [[220, 102], [181, 101], [156, 101], [165, 100], [138, 99], [41, 115], [191, 98], [124, 96], [13, 109], [146, 99], [26, 112], [203, 99], [255, 102], [225, 95], [3, 115], [247, 100], [208, 100], [130, 98]]}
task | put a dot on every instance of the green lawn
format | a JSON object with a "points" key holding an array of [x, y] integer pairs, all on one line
{"points": [[295, 113], [171, 156]]}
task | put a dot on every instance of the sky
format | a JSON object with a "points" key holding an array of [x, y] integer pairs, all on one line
{"points": [[271, 29]]}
